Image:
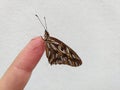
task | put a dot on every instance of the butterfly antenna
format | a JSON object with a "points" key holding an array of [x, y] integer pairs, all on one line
{"points": [[45, 23], [45, 27]]}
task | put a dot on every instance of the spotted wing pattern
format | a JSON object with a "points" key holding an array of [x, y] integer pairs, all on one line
{"points": [[59, 53]]}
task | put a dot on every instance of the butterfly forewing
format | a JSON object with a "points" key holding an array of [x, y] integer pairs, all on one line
{"points": [[58, 52]]}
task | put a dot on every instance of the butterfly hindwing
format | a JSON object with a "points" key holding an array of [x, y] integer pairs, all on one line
{"points": [[59, 53]]}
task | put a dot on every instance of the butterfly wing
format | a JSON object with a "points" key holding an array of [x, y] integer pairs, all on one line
{"points": [[58, 52]]}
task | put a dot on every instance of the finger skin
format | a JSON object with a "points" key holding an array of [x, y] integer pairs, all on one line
{"points": [[20, 70]]}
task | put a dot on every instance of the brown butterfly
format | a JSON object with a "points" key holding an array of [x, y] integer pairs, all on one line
{"points": [[58, 52]]}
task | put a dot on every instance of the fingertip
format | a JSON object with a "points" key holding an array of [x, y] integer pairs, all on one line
{"points": [[23, 65], [33, 51], [37, 41], [31, 54]]}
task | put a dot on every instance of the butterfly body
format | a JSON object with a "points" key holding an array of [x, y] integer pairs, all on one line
{"points": [[58, 52]]}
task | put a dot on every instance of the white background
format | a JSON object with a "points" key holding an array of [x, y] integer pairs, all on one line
{"points": [[90, 27]]}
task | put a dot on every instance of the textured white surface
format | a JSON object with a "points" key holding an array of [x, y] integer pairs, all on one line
{"points": [[90, 27]]}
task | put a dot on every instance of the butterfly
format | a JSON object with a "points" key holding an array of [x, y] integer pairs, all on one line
{"points": [[58, 52]]}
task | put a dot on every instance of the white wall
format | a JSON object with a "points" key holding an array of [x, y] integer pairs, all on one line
{"points": [[90, 27]]}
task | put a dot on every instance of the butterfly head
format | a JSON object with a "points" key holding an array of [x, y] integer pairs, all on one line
{"points": [[46, 35]]}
